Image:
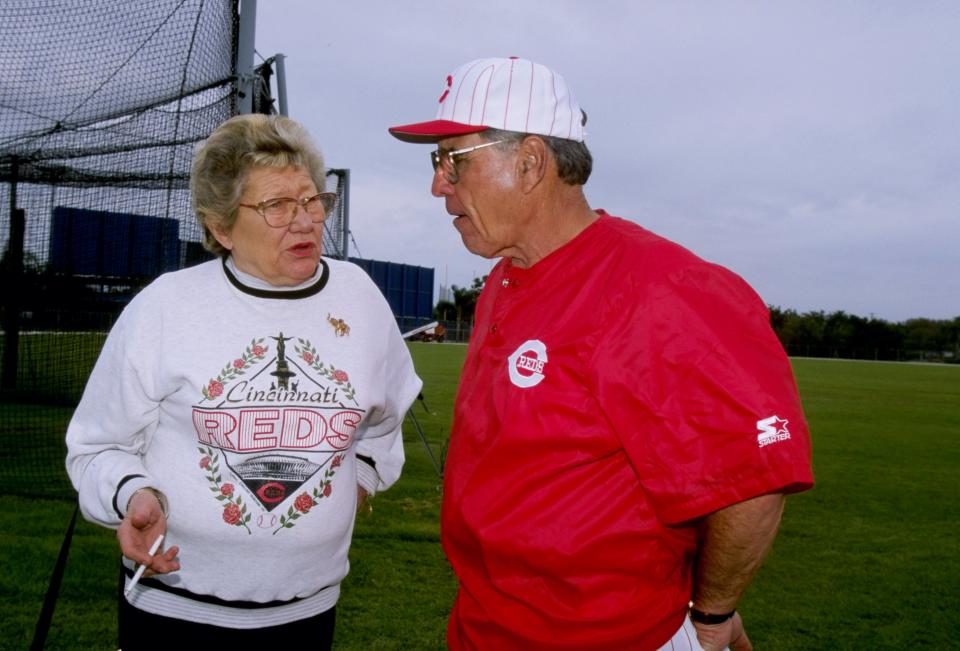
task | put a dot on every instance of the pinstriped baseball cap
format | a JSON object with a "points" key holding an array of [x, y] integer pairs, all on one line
{"points": [[510, 94]]}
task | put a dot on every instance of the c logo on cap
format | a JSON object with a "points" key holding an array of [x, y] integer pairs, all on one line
{"points": [[447, 91], [526, 364]]}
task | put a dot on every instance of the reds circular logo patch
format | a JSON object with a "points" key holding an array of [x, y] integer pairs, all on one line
{"points": [[527, 363]]}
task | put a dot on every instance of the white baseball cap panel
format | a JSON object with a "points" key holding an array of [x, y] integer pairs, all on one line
{"points": [[511, 94]]}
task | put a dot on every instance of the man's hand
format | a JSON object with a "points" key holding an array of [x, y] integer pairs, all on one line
{"points": [[716, 637], [142, 525], [363, 501]]}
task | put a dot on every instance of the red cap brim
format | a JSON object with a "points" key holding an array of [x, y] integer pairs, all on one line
{"points": [[434, 130]]}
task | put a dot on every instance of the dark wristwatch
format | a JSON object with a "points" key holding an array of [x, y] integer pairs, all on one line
{"points": [[701, 617]]}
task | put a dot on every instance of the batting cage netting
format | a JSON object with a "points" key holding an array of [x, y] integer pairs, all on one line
{"points": [[102, 105]]}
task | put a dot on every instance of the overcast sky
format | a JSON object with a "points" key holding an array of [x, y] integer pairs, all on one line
{"points": [[811, 147]]}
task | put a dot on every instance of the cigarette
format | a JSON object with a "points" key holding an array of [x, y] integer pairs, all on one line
{"points": [[140, 570]]}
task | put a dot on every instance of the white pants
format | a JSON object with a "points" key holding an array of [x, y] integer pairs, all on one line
{"points": [[685, 639]]}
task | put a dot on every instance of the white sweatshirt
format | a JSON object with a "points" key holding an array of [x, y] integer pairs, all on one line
{"points": [[247, 406]]}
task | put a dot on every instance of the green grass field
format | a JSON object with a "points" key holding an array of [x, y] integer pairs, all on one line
{"points": [[869, 559]]}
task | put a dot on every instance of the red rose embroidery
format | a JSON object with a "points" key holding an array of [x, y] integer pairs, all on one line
{"points": [[308, 357], [340, 376], [215, 388], [231, 514], [238, 363], [226, 489], [336, 462], [327, 490], [205, 463], [303, 503], [258, 351]]}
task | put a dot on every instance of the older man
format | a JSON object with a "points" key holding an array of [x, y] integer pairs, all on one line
{"points": [[627, 423]]}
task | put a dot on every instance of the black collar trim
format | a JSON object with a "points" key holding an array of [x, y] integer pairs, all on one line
{"points": [[272, 293]]}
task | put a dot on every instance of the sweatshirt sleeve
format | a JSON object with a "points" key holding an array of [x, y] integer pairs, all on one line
{"points": [[380, 448], [113, 423]]}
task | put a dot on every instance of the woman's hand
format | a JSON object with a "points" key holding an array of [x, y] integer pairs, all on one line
{"points": [[142, 525]]}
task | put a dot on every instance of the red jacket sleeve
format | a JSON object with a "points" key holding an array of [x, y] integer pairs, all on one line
{"points": [[700, 392]]}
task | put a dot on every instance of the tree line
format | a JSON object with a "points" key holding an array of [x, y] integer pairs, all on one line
{"points": [[838, 334], [809, 334]]}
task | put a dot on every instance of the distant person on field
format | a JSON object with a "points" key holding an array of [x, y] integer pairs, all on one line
{"points": [[627, 423], [241, 408]]}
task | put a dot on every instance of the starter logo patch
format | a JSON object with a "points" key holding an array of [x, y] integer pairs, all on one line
{"points": [[526, 364], [772, 430]]}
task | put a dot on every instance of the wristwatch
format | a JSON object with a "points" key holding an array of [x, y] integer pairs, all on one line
{"points": [[701, 617]]}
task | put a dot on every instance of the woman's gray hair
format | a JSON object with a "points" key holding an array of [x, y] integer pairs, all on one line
{"points": [[223, 161], [574, 162]]}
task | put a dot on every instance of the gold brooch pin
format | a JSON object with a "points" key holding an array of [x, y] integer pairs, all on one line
{"points": [[340, 327]]}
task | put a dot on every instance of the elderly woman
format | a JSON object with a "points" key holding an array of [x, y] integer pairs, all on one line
{"points": [[241, 408]]}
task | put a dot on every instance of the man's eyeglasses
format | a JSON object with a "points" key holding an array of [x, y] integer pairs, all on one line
{"points": [[279, 213], [446, 161]]}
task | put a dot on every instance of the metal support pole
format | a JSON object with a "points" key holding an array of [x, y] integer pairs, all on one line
{"points": [[344, 250], [423, 439], [281, 70], [13, 284], [244, 64]]}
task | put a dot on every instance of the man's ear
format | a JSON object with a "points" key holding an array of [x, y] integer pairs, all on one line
{"points": [[532, 160], [221, 234]]}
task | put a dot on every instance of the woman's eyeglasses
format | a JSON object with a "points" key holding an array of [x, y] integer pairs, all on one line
{"points": [[280, 212]]}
